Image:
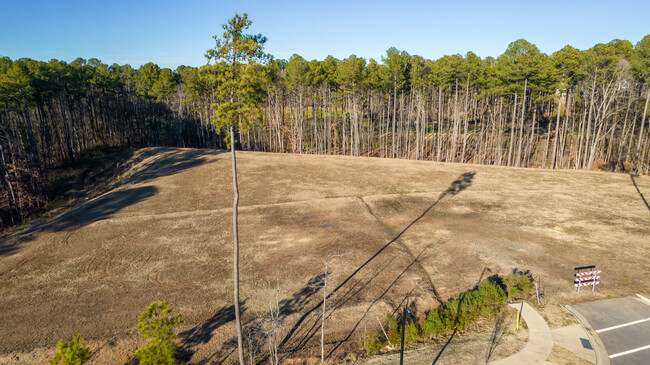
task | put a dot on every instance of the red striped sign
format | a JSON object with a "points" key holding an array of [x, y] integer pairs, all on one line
{"points": [[588, 273], [587, 284], [588, 278]]}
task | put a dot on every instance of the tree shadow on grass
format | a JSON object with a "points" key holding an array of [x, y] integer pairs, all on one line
{"points": [[89, 212], [497, 335], [202, 333], [461, 183], [415, 261], [639, 191], [307, 325], [100, 208], [445, 346], [149, 166], [153, 166]]}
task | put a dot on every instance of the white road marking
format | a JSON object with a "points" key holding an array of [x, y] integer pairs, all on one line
{"points": [[623, 325], [629, 351]]}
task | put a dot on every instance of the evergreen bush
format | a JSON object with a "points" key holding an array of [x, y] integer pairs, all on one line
{"points": [[156, 325], [372, 342], [518, 285], [486, 300], [72, 353]]}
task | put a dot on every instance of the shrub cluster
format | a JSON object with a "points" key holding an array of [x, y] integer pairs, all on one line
{"points": [[518, 284], [486, 300], [156, 325]]}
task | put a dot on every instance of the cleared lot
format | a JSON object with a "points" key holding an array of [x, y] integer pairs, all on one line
{"points": [[432, 230]]}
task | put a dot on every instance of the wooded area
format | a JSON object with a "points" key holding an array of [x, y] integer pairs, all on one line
{"points": [[572, 109]]}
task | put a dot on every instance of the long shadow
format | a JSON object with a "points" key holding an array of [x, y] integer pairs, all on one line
{"points": [[203, 333], [87, 213], [168, 163], [495, 339], [100, 208], [8, 248], [639, 191], [152, 166], [304, 330], [456, 320], [399, 305], [444, 347], [461, 183]]}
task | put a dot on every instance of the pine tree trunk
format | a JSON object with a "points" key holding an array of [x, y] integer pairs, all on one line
{"points": [[235, 227], [557, 128], [512, 130], [455, 133], [466, 122], [638, 145], [521, 125]]}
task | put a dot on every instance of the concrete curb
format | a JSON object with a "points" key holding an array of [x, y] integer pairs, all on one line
{"points": [[602, 357], [643, 299]]}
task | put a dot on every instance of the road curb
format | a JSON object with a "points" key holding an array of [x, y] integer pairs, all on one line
{"points": [[602, 357], [643, 299]]}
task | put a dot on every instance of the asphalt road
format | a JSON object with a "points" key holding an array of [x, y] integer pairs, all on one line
{"points": [[623, 325]]}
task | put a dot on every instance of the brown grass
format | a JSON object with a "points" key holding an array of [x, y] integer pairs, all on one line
{"points": [[164, 233]]}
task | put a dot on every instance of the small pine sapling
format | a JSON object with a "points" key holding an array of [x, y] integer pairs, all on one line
{"points": [[156, 325], [72, 353]]}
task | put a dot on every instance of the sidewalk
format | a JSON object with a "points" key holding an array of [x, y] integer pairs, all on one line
{"points": [[540, 340]]}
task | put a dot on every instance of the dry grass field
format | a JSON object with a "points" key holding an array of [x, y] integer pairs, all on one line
{"points": [[423, 229]]}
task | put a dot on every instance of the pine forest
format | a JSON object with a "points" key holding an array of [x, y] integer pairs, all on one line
{"points": [[572, 109]]}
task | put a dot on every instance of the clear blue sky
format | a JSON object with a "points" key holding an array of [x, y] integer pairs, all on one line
{"points": [[171, 33]]}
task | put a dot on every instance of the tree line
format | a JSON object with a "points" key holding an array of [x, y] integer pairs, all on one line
{"points": [[572, 109]]}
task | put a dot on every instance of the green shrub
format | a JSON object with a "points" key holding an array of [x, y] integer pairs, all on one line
{"points": [[435, 323], [518, 285], [392, 328], [73, 353], [156, 324], [394, 331], [493, 298], [411, 333], [372, 342], [486, 300]]}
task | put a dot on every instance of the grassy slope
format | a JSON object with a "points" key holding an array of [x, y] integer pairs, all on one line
{"points": [[164, 233]]}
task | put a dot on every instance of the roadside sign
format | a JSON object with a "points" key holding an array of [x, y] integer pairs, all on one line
{"points": [[586, 276]]}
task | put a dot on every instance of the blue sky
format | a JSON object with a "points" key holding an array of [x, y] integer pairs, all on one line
{"points": [[171, 33]]}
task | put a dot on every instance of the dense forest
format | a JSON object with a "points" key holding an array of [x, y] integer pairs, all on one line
{"points": [[572, 109]]}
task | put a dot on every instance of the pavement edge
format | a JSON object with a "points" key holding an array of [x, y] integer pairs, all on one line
{"points": [[602, 358]]}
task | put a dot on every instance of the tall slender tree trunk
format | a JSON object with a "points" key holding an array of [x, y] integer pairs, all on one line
{"points": [[455, 133], [591, 107], [11, 197], [439, 131], [466, 122], [500, 133], [638, 145], [235, 227], [557, 129], [521, 125], [621, 143], [512, 130], [394, 117]]}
